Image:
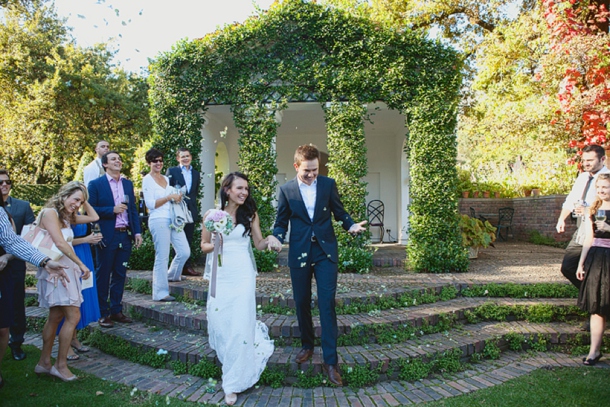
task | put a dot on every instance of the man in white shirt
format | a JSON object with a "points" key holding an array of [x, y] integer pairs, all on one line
{"points": [[580, 197], [95, 169]]}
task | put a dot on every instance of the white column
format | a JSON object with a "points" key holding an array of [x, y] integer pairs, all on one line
{"points": [[207, 159], [405, 181]]}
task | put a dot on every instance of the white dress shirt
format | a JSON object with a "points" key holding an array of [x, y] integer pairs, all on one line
{"points": [[92, 171], [308, 193], [579, 187]]}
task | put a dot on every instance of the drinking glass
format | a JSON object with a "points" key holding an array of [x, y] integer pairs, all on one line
{"points": [[600, 214]]}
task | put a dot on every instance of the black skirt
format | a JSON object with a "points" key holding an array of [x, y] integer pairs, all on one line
{"points": [[594, 295], [6, 299]]}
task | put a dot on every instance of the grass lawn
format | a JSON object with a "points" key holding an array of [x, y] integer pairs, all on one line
{"points": [[565, 387], [558, 387], [23, 388]]}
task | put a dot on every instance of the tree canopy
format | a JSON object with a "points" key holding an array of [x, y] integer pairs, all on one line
{"points": [[58, 99]]}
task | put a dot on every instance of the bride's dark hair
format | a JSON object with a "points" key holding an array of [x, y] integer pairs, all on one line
{"points": [[245, 213]]}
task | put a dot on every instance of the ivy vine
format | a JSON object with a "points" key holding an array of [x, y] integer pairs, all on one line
{"points": [[302, 51]]}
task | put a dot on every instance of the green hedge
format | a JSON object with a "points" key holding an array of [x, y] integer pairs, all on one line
{"points": [[36, 194]]}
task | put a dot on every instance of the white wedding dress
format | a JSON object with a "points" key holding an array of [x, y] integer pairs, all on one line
{"points": [[241, 342]]}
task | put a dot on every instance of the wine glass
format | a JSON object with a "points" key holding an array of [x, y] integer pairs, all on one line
{"points": [[600, 215], [126, 200], [580, 204], [95, 230]]}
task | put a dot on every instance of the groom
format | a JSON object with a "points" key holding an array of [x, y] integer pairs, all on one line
{"points": [[307, 203]]}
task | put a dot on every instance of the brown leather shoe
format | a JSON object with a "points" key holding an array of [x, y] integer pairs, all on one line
{"points": [[189, 271], [333, 374], [120, 317], [304, 355], [105, 322]]}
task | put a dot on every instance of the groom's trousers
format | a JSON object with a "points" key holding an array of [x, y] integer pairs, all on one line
{"points": [[317, 264]]}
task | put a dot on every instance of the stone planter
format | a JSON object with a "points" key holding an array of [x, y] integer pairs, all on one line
{"points": [[473, 252]]}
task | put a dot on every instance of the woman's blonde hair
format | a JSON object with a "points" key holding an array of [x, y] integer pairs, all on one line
{"points": [[57, 201], [598, 202]]}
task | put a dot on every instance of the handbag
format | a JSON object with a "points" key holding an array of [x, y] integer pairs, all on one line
{"points": [[180, 214], [41, 240]]}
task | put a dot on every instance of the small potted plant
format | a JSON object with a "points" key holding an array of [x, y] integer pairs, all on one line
{"points": [[476, 234], [464, 186]]}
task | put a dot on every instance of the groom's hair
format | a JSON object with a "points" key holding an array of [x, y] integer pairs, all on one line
{"points": [[306, 152]]}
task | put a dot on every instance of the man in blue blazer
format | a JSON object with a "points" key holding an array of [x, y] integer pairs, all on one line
{"points": [[120, 225], [307, 203], [185, 175], [22, 215]]}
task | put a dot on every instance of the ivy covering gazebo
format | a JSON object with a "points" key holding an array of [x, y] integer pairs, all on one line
{"points": [[303, 52]]}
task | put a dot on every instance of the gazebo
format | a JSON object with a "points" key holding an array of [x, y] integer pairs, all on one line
{"points": [[379, 103]]}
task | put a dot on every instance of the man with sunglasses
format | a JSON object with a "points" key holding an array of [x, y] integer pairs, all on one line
{"points": [[22, 215]]}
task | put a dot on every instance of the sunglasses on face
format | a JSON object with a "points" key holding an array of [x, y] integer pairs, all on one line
{"points": [[6, 181], [157, 160]]}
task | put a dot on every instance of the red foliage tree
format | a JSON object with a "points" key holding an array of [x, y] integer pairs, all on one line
{"points": [[581, 48]]}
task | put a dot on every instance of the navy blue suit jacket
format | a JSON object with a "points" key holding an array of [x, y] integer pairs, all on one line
{"points": [[100, 197], [291, 208], [20, 211], [22, 215], [176, 178]]}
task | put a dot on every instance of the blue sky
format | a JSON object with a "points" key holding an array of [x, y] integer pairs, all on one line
{"points": [[140, 29]]}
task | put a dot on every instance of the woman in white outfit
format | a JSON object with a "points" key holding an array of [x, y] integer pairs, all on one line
{"points": [[241, 342], [159, 196]]}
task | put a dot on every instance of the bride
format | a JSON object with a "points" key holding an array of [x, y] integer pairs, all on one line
{"points": [[241, 342]]}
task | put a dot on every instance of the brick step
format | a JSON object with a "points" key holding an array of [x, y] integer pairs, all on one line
{"points": [[275, 289], [369, 289], [193, 318], [469, 340]]}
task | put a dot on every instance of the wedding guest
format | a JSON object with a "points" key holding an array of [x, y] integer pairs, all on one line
{"points": [[15, 245], [113, 198], [594, 268], [90, 308], [22, 214], [63, 302], [159, 195], [186, 175]]}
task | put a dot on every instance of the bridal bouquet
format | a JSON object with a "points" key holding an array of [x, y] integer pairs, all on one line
{"points": [[218, 221]]}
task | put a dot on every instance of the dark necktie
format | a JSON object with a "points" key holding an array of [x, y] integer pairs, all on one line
{"points": [[584, 193]]}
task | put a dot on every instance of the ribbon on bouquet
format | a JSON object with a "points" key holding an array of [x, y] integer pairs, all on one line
{"points": [[216, 261]]}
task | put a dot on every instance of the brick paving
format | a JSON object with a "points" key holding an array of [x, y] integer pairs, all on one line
{"points": [[183, 328]]}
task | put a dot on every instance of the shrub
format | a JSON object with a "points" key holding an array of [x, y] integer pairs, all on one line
{"points": [[265, 260], [143, 258]]}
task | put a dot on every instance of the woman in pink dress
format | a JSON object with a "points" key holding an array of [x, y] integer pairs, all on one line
{"points": [[63, 302]]}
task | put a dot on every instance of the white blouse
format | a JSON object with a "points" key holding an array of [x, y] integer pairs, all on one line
{"points": [[152, 192]]}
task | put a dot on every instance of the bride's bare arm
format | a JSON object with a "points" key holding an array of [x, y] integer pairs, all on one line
{"points": [[207, 246], [257, 237]]}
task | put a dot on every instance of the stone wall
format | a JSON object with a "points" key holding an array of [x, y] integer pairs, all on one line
{"points": [[532, 213]]}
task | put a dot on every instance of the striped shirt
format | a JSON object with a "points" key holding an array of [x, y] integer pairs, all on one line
{"points": [[16, 245]]}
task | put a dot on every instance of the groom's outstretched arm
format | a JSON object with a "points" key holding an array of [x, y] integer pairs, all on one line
{"points": [[283, 217]]}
